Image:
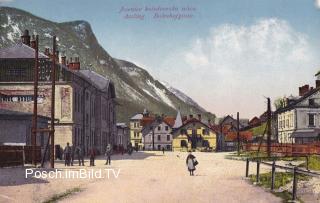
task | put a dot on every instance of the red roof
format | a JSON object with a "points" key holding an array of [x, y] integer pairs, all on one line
{"points": [[169, 120], [244, 136]]}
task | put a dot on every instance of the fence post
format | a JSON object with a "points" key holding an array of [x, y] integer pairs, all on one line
{"points": [[247, 168], [307, 157], [258, 171], [273, 175], [294, 188]]}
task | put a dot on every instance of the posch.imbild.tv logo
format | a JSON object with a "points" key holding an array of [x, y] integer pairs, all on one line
{"points": [[106, 173]]}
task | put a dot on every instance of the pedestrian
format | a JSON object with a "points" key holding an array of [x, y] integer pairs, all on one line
{"points": [[80, 154], [92, 154], [67, 153], [72, 154], [108, 154], [162, 150], [191, 163]]}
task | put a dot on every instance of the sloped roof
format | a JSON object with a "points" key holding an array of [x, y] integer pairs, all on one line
{"points": [[192, 120], [138, 116], [20, 51], [293, 104], [96, 79]]}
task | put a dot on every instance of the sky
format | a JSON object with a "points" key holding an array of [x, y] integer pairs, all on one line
{"points": [[227, 55]]}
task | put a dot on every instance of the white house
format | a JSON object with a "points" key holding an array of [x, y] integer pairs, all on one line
{"points": [[157, 135], [299, 118]]}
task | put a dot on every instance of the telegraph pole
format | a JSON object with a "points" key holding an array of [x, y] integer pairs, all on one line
{"points": [[53, 79], [269, 128], [35, 102], [238, 133]]}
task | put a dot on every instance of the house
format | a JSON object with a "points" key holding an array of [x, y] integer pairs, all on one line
{"points": [[123, 136], [298, 118], [84, 100], [157, 134], [193, 134], [135, 131]]}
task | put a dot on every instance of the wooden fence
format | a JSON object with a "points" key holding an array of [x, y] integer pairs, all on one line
{"points": [[18, 155], [286, 149]]}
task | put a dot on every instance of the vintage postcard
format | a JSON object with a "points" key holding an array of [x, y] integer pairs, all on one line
{"points": [[170, 101]]}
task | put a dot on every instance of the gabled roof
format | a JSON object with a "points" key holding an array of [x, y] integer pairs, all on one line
{"points": [[20, 51], [192, 120], [293, 104]]}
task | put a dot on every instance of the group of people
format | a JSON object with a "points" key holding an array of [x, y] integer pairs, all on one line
{"points": [[70, 152]]}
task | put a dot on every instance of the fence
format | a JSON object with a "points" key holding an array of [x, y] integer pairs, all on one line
{"points": [[286, 149], [294, 170], [18, 155]]}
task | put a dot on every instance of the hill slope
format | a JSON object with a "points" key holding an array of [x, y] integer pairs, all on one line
{"points": [[136, 89]]}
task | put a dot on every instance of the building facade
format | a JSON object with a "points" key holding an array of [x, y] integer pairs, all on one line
{"points": [[135, 131], [84, 100], [123, 138], [194, 135], [157, 135]]}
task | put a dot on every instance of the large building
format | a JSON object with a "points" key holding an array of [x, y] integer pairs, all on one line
{"points": [[84, 100], [298, 117]]}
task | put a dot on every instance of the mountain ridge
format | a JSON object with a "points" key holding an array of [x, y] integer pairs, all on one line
{"points": [[134, 91]]}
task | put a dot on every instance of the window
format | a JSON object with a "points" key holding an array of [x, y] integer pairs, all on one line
{"points": [[159, 137], [311, 102], [167, 128], [168, 137], [159, 128], [87, 96], [311, 120], [168, 147]]}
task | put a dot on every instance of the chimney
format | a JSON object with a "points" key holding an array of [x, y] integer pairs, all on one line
{"points": [[190, 116], [199, 117], [76, 64], [25, 38], [47, 51], [33, 42], [63, 60], [317, 83], [303, 90]]}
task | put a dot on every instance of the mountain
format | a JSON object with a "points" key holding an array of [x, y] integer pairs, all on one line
{"points": [[136, 89]]}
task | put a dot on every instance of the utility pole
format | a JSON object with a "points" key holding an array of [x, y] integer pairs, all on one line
{"points": [[152, 138], [53, 81], [35, 102], [269, 128], [238, 133]]}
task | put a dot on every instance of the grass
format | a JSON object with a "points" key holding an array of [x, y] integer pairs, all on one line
{"points": [[314, 163], [281, 179], [57, 197]]}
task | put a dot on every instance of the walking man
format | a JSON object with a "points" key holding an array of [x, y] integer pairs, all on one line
{"points": [[67, 153], [80, 154], [108, 154], [92, 154]]}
